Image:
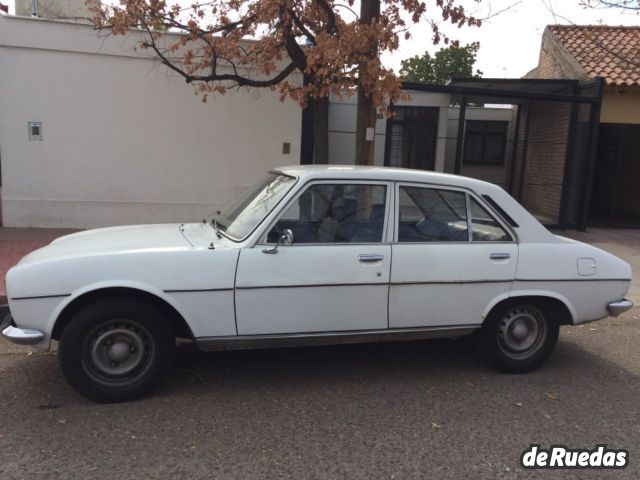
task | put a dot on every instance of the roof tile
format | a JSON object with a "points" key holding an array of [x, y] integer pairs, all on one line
{"points": [[603, 51]]}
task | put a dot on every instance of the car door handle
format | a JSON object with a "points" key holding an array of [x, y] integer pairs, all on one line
{"points": [[499, 256], [364, 258]]}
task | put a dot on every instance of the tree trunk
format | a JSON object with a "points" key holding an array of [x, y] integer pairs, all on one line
{"points": [[366, 119], [366, 114], [321, 130]]}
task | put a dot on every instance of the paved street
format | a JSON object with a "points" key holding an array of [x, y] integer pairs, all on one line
{"points": [[414, 410]]}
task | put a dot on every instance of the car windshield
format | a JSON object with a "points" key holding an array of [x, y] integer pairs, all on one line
{"points": [[238, 219]]}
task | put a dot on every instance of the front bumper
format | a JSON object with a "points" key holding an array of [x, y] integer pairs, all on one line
{"points": [[621, 306], [21, 336]]}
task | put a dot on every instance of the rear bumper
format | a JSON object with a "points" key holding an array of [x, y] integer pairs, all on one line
{"points": [[21, 336], [621, 306]]}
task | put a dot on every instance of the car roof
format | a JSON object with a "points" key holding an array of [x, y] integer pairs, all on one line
{"points": [[391, 174]]}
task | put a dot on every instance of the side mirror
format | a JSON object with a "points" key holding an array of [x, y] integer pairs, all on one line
{"points": [[285, 239]]}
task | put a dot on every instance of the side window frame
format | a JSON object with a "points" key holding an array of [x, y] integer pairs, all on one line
{"points": [[468, 196], [493, 214], [386, 230]]}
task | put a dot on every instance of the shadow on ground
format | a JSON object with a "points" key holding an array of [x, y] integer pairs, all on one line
{"points": [[420, 410]]}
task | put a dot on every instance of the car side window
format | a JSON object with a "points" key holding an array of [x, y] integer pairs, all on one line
{"points": [[335, 213], [484, 227], [432, 215]]}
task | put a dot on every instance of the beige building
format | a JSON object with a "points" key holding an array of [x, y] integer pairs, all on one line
{"points": [[613, 54]]}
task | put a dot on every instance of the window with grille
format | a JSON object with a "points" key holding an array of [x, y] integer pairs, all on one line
{"points": [[485, 142], [411, 138]]}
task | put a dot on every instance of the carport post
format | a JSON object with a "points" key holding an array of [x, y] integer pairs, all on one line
{"points": [[460, 139], [525, 146], [594, 126], [514, 151]]}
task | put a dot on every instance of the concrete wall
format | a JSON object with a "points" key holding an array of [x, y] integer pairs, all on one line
{"points": [[491, 173], [342, 127], [124, 141]]}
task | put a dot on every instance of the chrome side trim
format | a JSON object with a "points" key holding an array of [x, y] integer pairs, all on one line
{"points": [[37, 297], [200, 290], [22, 336], [318, 285], [621, 306], [241, 342], [551, 280]]}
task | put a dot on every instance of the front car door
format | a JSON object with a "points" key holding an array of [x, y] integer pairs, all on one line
{"points": [[335, 274], [451, 258]]}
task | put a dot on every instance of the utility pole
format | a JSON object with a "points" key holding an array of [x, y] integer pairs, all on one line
{"points": [[366, 113]]}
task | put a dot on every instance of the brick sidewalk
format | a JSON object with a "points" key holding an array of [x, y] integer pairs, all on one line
{"points": [[15, 243]]}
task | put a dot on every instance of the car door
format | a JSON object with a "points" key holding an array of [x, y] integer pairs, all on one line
{"points": [[451, 258], [333, 277]]}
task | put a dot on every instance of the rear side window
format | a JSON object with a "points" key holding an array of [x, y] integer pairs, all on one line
{"points": [[436, 215], [505, 216], [432, 215], [485, 228]]}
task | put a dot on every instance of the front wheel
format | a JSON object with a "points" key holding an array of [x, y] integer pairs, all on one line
{"points": [[116, 349], [519, 335]]}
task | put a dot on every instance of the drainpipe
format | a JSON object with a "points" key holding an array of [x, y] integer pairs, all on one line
{"points": [[34, 8]]}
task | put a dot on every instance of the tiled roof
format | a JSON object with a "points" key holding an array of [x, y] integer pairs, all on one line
{"points": [[603, 51]]}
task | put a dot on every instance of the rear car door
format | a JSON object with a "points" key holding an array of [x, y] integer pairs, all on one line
{"points": [[451, 258]]}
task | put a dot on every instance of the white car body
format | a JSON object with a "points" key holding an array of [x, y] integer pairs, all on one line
{"points": [[232, 294]]}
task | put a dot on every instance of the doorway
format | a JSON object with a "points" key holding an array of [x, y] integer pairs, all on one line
{"points": [[615, 199]]}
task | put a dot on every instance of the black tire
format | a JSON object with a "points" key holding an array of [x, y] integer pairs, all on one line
{"points": [[116, 349], [519, 335]]}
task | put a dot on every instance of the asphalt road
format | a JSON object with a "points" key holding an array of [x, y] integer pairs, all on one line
{"points": [[413, 410]]}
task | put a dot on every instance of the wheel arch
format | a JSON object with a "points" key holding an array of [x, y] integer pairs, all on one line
{"points": [[75, 302], [561, 303]]}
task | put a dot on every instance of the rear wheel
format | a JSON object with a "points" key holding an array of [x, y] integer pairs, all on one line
{"points": [[116, 349], [519, 335]]}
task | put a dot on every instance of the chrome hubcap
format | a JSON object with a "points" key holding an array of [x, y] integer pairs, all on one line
{"points": [[521, 332], [118, 351]]}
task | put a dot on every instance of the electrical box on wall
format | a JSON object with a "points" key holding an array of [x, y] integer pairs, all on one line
{"points": [[35, 131]]}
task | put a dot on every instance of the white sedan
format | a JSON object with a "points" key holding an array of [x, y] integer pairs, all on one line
{"points": [[311, 254]]}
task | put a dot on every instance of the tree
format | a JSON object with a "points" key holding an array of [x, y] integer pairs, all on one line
{"points": [[447, 63], [229, 44], [623, 4]]}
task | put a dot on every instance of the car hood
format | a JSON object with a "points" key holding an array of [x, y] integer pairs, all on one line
{"points": [[112, 240]]}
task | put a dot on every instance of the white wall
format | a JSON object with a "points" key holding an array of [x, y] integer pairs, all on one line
{"points": [[342, 127], [124, 141]]}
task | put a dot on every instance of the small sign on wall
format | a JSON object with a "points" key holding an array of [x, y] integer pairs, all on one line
{"points": [[370, 134], [35, 131]]}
